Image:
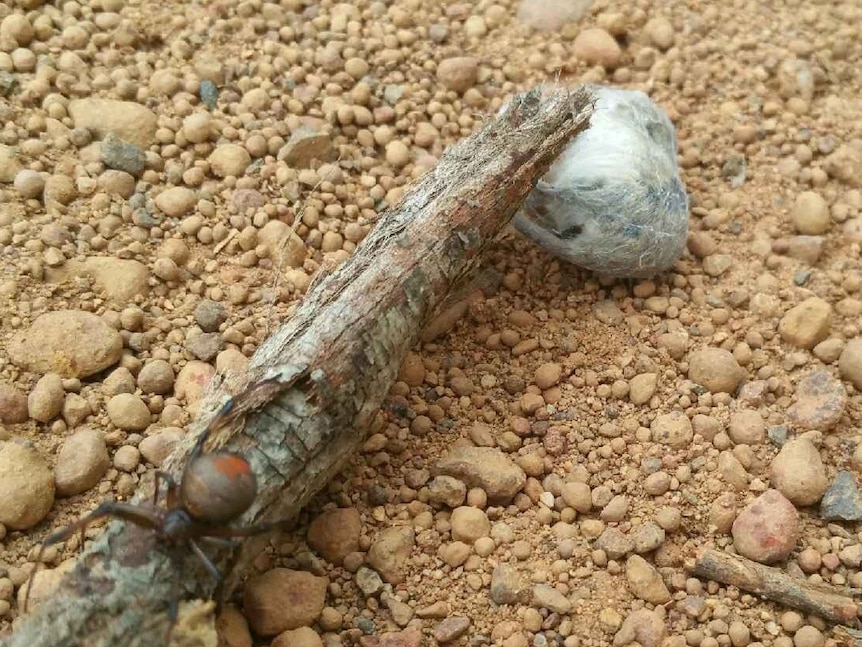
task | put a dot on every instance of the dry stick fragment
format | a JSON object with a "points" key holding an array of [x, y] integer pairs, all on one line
{"points": [[772, 583], [847, 637], [317, 383]]}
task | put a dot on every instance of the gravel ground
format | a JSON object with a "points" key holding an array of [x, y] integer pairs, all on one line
{"points": [[173, 175]]}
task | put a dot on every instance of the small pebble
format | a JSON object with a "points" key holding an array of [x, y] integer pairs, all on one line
{"points": [[547, 597], [486, 468], [451, 629], [732, 471], [282, 599], [75, 409], [595, 46], [10, 165], [229, 160], [192, 380], [645, 626], [69, 342], [767, 529], [845, 164], [747, 427], [469, 524], [715, 369], [642, 388], [156, 448], [820, 402], [29, 184], [577, 496], [26, 486], [306, 146], [798, 472], [508, 586], [156, 376], [122, 156], [198, 127], [806, 324], [657, 483], [127, 458], [369, 582], [209, 94], [645, 581], [647, 537], [810, 214], [13, 405], [81, 463], [447, 490], [669, 519], [176, 202], [660, 33], [809, 636], [548, 375], [739, 634], [46, 399], [301, 637], [130, 121], [205, 346], [128, 412], [673, 429], [842, 501], [614, 543], [390, 551], [458, 74], [616, 509], [850, 363], [335, 534]]}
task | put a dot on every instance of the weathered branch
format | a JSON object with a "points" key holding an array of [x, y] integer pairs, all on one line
{"points": [[318, 381], [821, 600]]}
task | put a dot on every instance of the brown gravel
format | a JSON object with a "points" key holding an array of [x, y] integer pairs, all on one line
{"points": [[173, 177]]}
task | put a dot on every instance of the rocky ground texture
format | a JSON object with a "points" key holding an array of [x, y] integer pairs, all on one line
{"points": [[174, 174]]}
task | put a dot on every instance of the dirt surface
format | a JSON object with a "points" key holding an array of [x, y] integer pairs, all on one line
{"points": [[716, 405]]}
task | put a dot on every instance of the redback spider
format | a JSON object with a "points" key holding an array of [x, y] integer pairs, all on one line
{"points": [[215, 489]]}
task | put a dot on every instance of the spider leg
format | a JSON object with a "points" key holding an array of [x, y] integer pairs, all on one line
{"points": [[215, 422], [172, 498], [127, 511], [158, 477], [218, 591], [207, 562], [157, 483], [219, 535], [222, 542], [174, 602], [138, 515]]}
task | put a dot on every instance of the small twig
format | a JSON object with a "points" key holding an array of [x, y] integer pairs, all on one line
{"points": [[821, 600], [233, 233], [848, 637]]}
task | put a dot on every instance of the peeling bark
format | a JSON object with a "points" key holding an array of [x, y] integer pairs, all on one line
{"points": [[315, 384]]}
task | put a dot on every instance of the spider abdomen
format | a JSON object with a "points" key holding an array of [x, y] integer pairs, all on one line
{"points": [[217, 488]]}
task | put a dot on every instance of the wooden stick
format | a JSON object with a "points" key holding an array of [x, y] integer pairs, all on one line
{"points": [[317, 383], [824, 600], [847, 637]]}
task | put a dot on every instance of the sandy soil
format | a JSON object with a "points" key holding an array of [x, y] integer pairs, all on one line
{"points": [[319, 115]]}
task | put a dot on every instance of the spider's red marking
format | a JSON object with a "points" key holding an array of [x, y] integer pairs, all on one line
{"points": [[232, 466]]}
